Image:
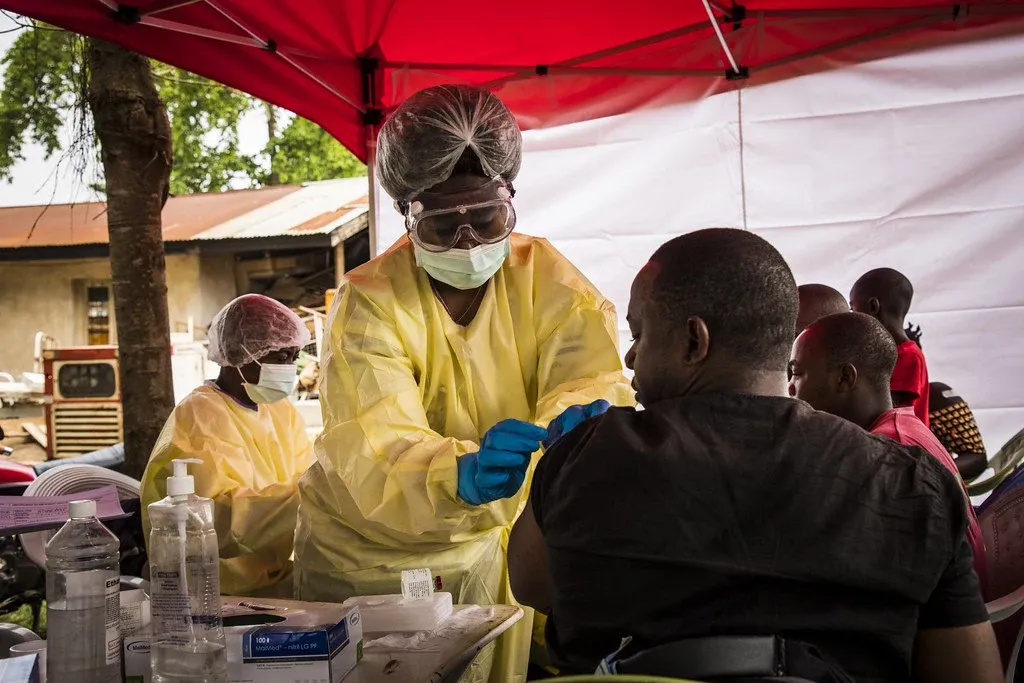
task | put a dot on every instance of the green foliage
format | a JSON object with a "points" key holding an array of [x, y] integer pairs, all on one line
{"points": [[304, 151], [43, 83], [43, 87], [23, 617], [204, 130]]}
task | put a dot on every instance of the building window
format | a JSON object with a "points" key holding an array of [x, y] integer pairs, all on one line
{"points": [[98, 306]]}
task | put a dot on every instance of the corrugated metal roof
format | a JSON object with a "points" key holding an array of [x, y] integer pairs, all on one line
{"points": [[290, 210], [308, 208]]}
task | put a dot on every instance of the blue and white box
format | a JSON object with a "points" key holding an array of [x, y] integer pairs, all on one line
{"points": [[275, 641], [20, 669], [315, 642]]}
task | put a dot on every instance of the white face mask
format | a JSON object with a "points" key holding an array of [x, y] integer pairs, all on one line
{"points": [[464, 268], [275, 384]]}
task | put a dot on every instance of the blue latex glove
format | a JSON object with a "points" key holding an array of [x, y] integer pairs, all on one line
{"points": [[498, 469], [570, 418]]}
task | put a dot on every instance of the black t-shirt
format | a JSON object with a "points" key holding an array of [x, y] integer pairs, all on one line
{"points": [[724, 514]]}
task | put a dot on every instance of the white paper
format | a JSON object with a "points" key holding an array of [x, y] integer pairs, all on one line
{"points": [[135, 611], [417, 584]]}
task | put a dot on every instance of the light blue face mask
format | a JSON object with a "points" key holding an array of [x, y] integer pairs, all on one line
{"points": [[464, 268]]}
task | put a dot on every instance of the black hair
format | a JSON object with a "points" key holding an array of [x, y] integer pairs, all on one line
{"points": [[860, 340], [469, 163], [738, 284], [822, 299], [891, 287]]}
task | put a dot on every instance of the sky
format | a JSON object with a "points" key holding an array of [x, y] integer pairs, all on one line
{"points": [[38, 180]]}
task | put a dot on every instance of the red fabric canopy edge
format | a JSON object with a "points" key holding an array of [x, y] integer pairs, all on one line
{"points": [[344, 65]]}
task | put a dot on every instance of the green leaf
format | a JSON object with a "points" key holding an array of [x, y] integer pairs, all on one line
{"points": [[304, 152], [204, 128], [43, 80], [43, 88]]}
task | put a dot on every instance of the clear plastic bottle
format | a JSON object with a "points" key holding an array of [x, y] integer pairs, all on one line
{"points": [[184, 569], [83, 600]]}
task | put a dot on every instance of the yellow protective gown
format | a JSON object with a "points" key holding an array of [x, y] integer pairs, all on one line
{"points": [[405, 391], [251, 464]]}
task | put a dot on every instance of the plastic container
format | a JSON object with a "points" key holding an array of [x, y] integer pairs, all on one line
{"points": [[83, 599], [395, 613], [36, 648], [188, 641]]}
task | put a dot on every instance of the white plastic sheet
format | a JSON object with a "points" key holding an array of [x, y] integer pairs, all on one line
{"points": [[912, 162]]}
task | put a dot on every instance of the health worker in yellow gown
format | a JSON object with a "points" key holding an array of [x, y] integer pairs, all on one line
{"points": [[449, 360], [250, 441]]}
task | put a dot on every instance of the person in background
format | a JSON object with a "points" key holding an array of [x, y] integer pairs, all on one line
{"points": [[817, 301], [841, 365], [251, 443], [952, 422], [885, 294], [450, 359], [725, 508]]}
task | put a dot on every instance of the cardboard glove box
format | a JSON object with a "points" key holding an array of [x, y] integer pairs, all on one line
{"points": [[273, 641]]}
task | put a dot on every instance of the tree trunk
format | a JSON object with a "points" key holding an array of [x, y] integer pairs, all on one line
{"points": [[274, 178], [135, 140]]}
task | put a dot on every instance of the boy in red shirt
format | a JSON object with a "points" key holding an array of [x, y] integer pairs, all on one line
{"points": [[885, 294], [841, 365]]}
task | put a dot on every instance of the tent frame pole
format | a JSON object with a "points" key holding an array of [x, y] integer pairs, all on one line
{"points": [[527, 71], [268, 44], [852, 41], [721, 37], [271, 45], [371, 109], [532, 71], [371, 188], [177, 27], [372, 71], [164, 6]]}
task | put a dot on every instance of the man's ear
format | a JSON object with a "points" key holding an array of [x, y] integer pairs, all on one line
{"points": [[874, 306], [697, 342], [846, 378]]}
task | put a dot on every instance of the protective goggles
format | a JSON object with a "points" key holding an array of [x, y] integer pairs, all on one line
{"points": [[437, 222]]}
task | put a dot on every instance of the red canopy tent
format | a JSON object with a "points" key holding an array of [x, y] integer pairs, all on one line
{"points": [[345, 63]]}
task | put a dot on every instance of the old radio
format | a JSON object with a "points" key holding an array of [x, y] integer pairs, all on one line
{"points": [[83, 387]]}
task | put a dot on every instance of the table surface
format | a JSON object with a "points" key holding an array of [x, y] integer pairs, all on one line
{"points": [[433, 656]]}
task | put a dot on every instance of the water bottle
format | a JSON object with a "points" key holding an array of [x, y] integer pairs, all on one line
{"points": [[83, 600], [184, 568]]}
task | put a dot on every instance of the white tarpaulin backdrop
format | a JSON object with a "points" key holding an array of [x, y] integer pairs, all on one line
{"points": [[915, 162]]}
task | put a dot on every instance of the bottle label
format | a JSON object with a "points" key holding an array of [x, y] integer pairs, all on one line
{"points": [[113, 591], [174, 610], [170, 604]]}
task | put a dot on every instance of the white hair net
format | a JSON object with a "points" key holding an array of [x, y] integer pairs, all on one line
{"points": [[252, 326], [424, 138]]}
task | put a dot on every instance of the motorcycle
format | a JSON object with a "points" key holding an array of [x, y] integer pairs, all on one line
{"points": [[22, 581]]}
